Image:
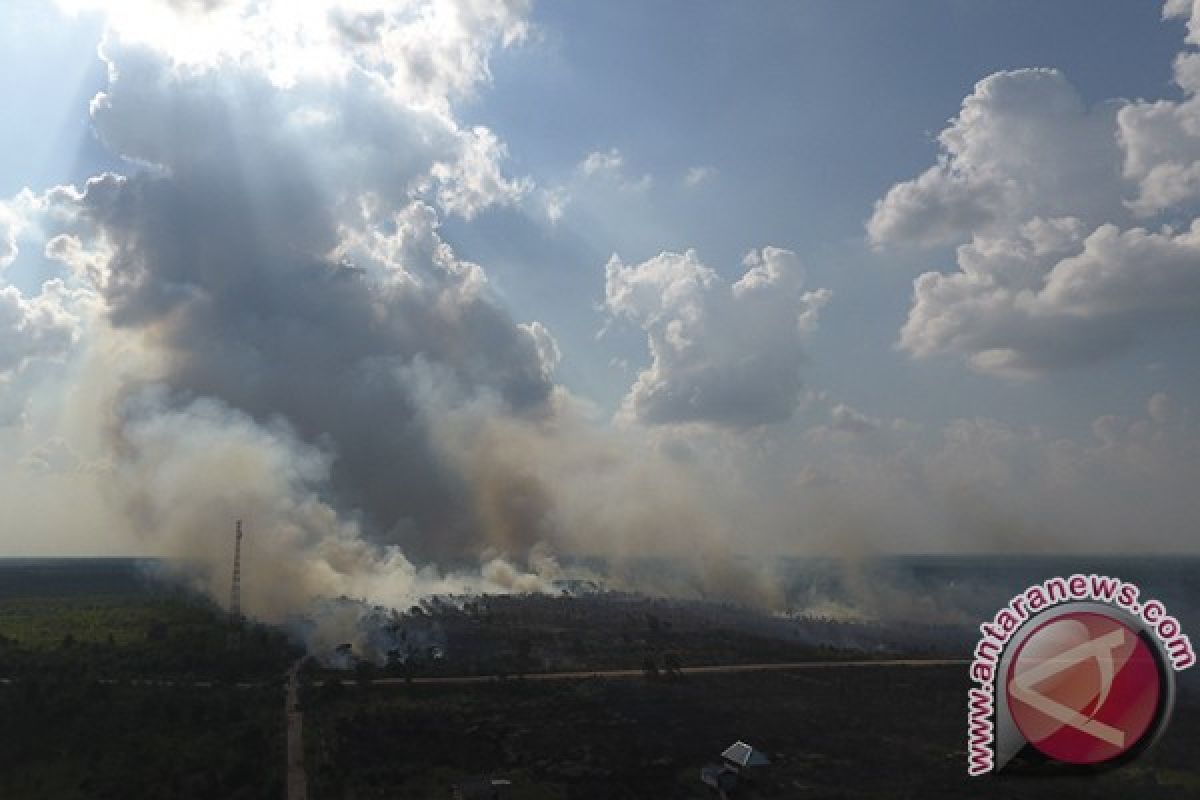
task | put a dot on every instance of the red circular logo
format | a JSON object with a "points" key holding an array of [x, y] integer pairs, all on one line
{"points": [[1084, 688]]}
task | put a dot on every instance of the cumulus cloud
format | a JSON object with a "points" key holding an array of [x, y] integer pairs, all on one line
{"points": [[728, 354], [347, 132], [1040, 195], [427, 53], [9, 227], [1045, 297], [1023, 145], [474, 180], [1162, 144], [39, 326], [1188, 10], [35, 327]]}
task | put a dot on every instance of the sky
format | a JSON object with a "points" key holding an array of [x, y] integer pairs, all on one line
{"points": [[500, 279]]}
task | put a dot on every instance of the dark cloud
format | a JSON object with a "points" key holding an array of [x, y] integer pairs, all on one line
{"points": [[275, 254], [255, 316]]}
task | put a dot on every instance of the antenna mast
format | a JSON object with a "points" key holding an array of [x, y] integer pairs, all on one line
{"points": [[235, 598]]}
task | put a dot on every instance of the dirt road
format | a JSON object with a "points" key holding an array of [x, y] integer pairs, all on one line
{"points": [[703, 670], [297, 782]]}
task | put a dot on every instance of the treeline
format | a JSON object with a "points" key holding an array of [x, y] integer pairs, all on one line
{"points": [[136, 636], [261, 655]]}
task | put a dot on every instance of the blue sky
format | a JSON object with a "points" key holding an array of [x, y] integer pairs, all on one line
{"points": [[966, 277], [808, 111]]}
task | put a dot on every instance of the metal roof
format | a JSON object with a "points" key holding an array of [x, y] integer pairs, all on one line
{"points": [[744, 755]]}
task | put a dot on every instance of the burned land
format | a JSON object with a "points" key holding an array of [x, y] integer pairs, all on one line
{"points": [[869, 732], [118, 684]]}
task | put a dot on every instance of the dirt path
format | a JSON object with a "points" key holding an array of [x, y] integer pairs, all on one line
{"points": [[703, 670], [556, 676], [297, 782]]}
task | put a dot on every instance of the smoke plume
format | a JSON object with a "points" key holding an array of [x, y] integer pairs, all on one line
{"points": [[261, 316]]}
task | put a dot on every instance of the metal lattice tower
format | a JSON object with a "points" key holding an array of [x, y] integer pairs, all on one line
{"points": [[235, 598]]}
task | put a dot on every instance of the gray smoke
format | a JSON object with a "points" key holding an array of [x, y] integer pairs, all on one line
{"points": [[261, 319], [276, 330]]}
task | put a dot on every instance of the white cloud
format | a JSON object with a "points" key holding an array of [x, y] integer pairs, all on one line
{"points": [[32, 327], [602, 161], [427, 52], [358, 125], [720, 353], [694, 176], [10, 226], [474, 181], [1189, 10], [1023, 145], [554, 202], [1022, 305], [1040, 194], [39, 335], [1162, 144], [44, 325], [548, 351], [609, 165]]}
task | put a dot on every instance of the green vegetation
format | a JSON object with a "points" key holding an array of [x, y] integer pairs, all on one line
{"points": [[120, 686], [107, 619]]}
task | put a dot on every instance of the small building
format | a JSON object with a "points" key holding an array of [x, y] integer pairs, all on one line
{"points": [[737, 761], [740, 755]]}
